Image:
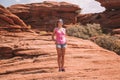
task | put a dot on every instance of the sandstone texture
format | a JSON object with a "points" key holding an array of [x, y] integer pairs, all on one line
{"points": [[35, 58], [10, 22], [44, 15]]}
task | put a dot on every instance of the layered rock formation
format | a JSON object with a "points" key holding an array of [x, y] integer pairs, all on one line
{"points": [[10, 22], [35, 58], [44, 15], [109, 19]]}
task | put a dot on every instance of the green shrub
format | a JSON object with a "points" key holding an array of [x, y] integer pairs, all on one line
{"points": [[84, 32], [109, 42]]}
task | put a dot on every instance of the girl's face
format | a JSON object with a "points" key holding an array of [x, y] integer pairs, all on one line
{"points": [[60, 23]]}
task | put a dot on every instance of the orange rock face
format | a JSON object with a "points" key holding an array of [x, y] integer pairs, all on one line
{"points": [[35, 58], [10, 22], [44, 15]]}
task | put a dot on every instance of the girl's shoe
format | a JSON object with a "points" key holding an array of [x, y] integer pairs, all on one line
{"points": [[63, 70], [60, 70]]}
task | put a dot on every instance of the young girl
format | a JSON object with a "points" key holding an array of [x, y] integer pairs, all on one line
{"points": [[60, 41]]}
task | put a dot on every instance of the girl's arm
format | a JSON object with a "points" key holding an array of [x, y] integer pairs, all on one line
{"points": [[53, 35], [66, 36]]}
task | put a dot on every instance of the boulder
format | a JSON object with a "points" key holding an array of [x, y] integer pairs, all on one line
{"points": [[44, 15]]}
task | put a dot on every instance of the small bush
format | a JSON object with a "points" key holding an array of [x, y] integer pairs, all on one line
{"points": [[109, 42], [84, 32]]}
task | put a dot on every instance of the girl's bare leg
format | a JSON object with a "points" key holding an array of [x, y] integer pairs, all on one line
{"points": [[63, 56], [59, 58]]}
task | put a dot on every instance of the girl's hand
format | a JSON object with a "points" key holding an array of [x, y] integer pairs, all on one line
{"points": [[66, 43], [55, 42]]}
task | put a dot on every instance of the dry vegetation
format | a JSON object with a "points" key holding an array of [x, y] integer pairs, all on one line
{"points": [[94, 30], [84, 32], [109, 42]]}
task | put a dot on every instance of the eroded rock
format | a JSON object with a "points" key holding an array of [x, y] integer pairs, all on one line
{"points": [[44, 15], [109, 19], [10, 22]]}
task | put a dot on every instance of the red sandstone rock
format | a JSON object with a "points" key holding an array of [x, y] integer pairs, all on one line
{"points": [[44, 15], [84, 60], [9, 21], [109, 19], [110, 4]]}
